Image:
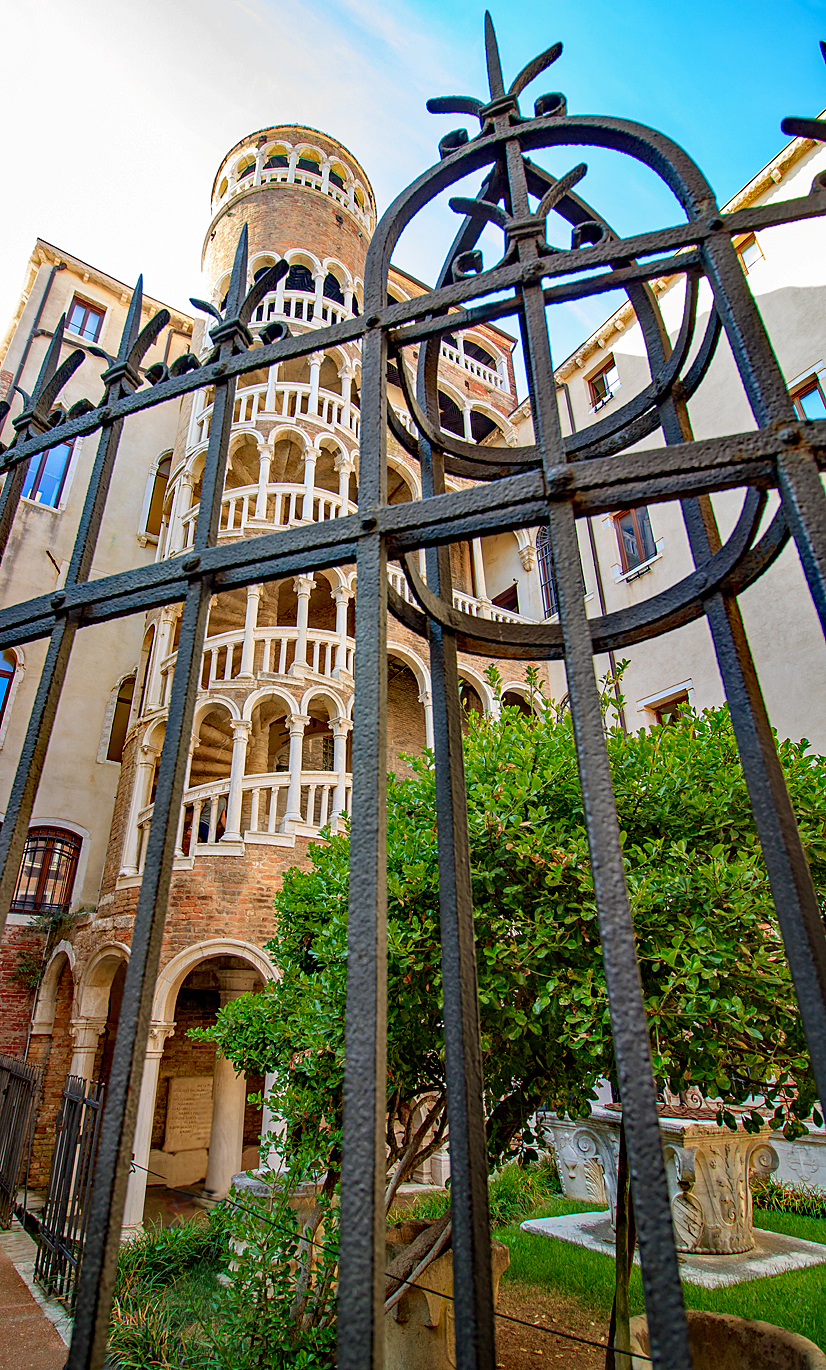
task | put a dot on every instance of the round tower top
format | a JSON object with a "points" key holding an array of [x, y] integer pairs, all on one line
{"points": [[296, 154]]}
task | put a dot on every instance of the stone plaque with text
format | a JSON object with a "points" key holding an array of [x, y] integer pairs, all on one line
{"points": [[188, 1113]]}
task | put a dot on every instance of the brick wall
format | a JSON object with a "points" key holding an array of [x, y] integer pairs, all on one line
{"points": [[16, 999]]}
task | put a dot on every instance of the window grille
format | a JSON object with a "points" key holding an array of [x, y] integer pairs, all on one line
{"points": [[550, 482], [47, 873]]}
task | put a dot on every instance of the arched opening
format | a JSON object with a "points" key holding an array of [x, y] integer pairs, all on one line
{"points": [[309, 161], [450, 415], [470, 700], [204, 1128], [300, 278], [287, 467], [512, 699], [120, 718], [277, 157], [333, 289], [406, 732], [479, 353], [8, 666], [481, 426], [246, 169], [154, 516], [206, 817], [143, 666], [55, 1048], [242, 467]]}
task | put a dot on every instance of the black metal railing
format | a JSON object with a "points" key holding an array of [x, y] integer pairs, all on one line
{"points": [[19, 1094], [65, 1216], [553, 481]]}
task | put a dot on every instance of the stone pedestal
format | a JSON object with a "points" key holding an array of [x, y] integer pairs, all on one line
{"points": [[419, 1330], [708, 1170]]}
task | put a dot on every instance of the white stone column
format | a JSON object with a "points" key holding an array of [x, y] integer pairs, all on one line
{"points": [[304, 586], [346, 375], [240, 737], [310, 459], [426, 699], [279, 294], [339, 727], [318, 303], [348, 299], [316, 358], [183, 503], [466, 412], [85, 1034], [342, 597], [345, 466], [140, 798], [229, 1097], [272, 377], [142, 1143], [254, 593], [297, 724], [259, 164], [292, 165], [479, 576], [325, 177], [161, 648], [264, 464]]}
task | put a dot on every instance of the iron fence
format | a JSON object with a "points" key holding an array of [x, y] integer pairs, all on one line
{"points": [[19, 1092], [551, 482], [65, 1216]]}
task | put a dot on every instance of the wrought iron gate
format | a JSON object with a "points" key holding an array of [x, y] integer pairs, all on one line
{"points": [[553, 482], [65, 1215], [19, 1090]]}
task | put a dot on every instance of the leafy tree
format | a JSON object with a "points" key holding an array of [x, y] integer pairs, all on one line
{"points": [[721, 1008]]}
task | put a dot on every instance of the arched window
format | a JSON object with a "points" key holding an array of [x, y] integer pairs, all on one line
{"points": [[481, 426], [550, 599], [47, 873], [450, 415], [479, 354], [308, 161], [337, 179], [8, 666], [276, 159], [246, 171], [300, 278], [332, 288], [46, 475], [120, 719], [155, 514]]}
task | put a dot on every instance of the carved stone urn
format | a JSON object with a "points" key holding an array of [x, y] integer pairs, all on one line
{"points": [[708, 1170]]}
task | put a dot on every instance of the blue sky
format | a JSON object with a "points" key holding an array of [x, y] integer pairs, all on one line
{"points": [[113, 133]]}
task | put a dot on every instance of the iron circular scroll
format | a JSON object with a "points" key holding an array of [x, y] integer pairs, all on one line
{"points": [[634, 420]]}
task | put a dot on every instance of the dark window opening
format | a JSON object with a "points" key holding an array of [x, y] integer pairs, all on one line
{"points": [[809, 400], [47, 872], [85, 319], [355, 305], [332, 289], [300, 278], [479, 354], [277, 159], [155, 516], [248, 171], [604, 384], [667, 713], [547, 580], [46, 475], [120, 719], [508, 599], [449, 339], [337, 180], [481, 426], [450, 415], [8, 666], [307, 164], [636, 541], [512, 700]]}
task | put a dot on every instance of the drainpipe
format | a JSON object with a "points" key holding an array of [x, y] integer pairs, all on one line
{"points": [[597, 572], [58, 266]]}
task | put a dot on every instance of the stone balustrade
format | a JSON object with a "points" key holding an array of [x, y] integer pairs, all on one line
{"points": [[264, 812], [478, 369], [273, 653], [300, 305], [289, 400], [347, 196], [245, 510], [468, 604]]}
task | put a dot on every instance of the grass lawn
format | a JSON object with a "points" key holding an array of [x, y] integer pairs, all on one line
{"points": [[796, 1301]]}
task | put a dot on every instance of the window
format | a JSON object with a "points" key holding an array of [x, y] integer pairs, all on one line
{"points": [[277, 159], [308, 163], [8, 666], [749, 252], [809, 401], [120, 719], [508, 599], [550, 599], [604, 384], [636, 541], [337, 180], [85, 319], [155, 514], [46, 475], [47, 873], [332, 288], [667, 713], [246, 171]]}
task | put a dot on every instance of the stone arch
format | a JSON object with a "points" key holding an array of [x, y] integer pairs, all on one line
{"points": [[299, 256], [175, 971], [522, 699], [274, 692], [405, 470], [46, 1002], [332, 702], [96, 979], [479, 684]]}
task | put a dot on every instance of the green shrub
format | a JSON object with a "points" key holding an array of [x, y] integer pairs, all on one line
{"points": [[783, 1198], [513, 1192]]}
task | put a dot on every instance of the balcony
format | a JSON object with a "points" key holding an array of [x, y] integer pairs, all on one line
{"points": [[262, 509], [289, 400], [273, 653], [468, 604], [486, 374], [263, 813], [301, 305]]}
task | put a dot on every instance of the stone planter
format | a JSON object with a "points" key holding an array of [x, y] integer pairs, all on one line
{"points": [[418, 1331], [720, 1341], [708, 1170]]}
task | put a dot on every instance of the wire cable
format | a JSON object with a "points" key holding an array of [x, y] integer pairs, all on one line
{"points": [[323, 1246]]}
